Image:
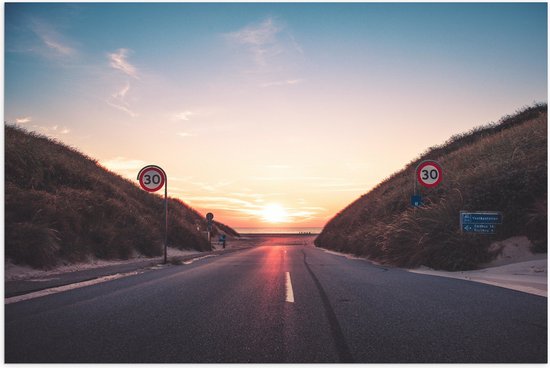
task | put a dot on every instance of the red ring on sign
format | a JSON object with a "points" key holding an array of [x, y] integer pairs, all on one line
{"points": [[142, 175], [439, 172]]}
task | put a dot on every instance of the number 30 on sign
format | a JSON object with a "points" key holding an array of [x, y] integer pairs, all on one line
{"points": [[151, 178], [429, 174]]}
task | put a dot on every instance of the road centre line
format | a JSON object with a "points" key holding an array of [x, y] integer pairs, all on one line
{"points": [[289, 292]]}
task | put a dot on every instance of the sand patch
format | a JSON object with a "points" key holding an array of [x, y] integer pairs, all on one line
{"points": [[13, 272], [515, 267]]}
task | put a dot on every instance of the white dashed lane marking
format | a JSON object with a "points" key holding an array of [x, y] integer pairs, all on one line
{"points": [[289, 291]]}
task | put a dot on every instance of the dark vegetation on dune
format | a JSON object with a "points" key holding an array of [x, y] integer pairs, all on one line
{"points": [[61, 206], [498, 167]]}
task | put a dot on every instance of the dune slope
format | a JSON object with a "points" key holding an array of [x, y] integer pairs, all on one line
{"points": [[61, 206], [498, 167]]}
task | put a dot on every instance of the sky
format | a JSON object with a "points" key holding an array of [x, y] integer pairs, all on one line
{"points": [[268, 114]]}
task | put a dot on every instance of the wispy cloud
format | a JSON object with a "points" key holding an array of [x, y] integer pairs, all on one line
{"points": [[186, 134], [123, 166], [23, 120], [304, 213], [260, 40], [212, 187], [122, 108], [57, 45], [53, 131], [296, 45], [119, 60], [118, 100], [220, 200], [121, 94], [318, 184], [340, 187], [288, 82], [234, 207], [257, 35], [183, 116], [253, 196]]}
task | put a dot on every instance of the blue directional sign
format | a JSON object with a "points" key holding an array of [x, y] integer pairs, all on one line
{"points": [[480, 222]]}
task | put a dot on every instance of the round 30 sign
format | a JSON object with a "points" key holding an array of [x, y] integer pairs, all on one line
{"points": [[151, 178], [429, 174]]}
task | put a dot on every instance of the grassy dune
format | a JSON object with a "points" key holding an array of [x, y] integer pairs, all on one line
{"points": [[500, 167], [62, 206]]}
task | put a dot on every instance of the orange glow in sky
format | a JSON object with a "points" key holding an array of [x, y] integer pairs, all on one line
{"points": [[268, 114]]}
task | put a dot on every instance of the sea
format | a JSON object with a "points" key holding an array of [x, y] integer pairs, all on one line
{"points": [[279, 230]]}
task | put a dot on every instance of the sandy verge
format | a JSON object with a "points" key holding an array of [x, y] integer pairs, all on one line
{"points": [[14, 272], [516, 267]]}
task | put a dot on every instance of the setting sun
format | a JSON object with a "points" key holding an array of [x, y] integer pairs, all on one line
{"points": [[274, 213]]}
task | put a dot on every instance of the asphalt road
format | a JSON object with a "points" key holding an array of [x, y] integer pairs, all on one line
{"points": [[238, 307]]}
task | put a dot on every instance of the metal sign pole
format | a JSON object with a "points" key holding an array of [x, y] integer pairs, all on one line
{"points": [[165, 220], [414, 197], [152, 178], [414, 191], [209, 218]]}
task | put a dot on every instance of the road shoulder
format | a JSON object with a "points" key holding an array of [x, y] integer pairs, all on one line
{"points": [[529, 277], [43, 280], [515, 268]]}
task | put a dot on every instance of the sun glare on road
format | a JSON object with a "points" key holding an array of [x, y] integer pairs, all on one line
{"points": [[274, 213]]}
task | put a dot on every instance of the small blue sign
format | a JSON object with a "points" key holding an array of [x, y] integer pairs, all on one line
{"points": [[416, 200]]}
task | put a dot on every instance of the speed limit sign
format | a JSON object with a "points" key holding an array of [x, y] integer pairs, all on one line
{"points": [[151, 178], [429, 174]]}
